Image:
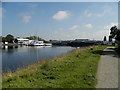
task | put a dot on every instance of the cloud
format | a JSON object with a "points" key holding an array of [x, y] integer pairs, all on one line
{"points": [[110, 25], [99, 35], [105, 12], [74, 27], [78, 34], [105, 32], [2, 11], [89, 13], [33, 5], [88, 26], [61, 15], [26, 19]]}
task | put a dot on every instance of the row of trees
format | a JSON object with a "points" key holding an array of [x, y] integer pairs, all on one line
{"points": [[35, 38], [10, 38]]}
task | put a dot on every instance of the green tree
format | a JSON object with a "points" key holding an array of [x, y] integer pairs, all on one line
{"points": [[105, 39], [9, 38], [115, 33], [4, 39], [16, 41], [35, 38], [110, 39]]}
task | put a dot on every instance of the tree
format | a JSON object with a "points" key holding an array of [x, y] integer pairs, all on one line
{"points": [[4, 39], [16, 41], [105, 39], [0, 38], [115, 33], [35, 38], [110, 39], [9, 38]]}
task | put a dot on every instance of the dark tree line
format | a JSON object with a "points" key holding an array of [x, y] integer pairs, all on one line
{"points": [[35, 38]]}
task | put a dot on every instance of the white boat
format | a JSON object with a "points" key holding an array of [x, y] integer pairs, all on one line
{"points": [[48, 44], [39, 43], [36, 43]]}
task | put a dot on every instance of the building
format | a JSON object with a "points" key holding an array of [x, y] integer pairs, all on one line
{"points": [[22, 41], [81, 40]]}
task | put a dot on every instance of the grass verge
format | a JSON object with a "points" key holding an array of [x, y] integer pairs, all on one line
{"points": [[76, 69]]}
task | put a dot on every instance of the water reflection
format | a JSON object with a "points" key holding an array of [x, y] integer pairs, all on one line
{"points": [[14, 57], [9, 47]]}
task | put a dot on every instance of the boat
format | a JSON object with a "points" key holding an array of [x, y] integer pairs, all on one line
{"points": [[39, 43], [36, 43], [47, 44]]}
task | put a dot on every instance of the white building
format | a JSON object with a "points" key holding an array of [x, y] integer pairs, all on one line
{"points": [[22, 41], [6, 42]]}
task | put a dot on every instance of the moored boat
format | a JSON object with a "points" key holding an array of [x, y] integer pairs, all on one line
{"points": [[36, 43], [48, 44], [39, 43]]}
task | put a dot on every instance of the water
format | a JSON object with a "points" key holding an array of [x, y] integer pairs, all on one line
{"points": [[21, 56]]}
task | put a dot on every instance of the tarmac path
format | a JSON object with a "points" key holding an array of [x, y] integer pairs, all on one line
{"points": [[107, 75]]}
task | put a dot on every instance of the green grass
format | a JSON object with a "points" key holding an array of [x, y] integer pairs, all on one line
{"points": [[76, 69]]}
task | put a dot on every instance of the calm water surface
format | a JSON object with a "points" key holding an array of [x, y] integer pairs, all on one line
{"points": [[21, 56]]}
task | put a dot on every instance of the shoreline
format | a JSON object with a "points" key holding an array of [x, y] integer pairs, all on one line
{"points": [[55, 64]]}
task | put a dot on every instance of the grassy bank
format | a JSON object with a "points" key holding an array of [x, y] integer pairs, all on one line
{"points": [[76, 69]]}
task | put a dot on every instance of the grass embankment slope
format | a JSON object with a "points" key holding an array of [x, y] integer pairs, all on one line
{"points": [[76, 69]]}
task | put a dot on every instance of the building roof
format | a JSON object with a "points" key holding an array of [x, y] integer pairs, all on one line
{"points": [[22, 39]]}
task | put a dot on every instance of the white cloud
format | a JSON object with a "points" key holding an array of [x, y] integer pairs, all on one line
{"points": [[90, 13], [99, 35], [88, 26], [105, 32], [87, 13], [110, 25], [74, 27], [105, 12], [61, 15], [77, 34], [2, 11], [34, 6], [26, 19]]}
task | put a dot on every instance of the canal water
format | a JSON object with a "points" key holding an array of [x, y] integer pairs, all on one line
{"points": [[21, 56]]}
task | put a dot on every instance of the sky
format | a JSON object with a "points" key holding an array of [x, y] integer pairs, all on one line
{"points": [[59, 20]]}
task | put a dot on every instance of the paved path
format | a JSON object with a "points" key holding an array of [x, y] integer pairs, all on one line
{"points": [[108, 69]]}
